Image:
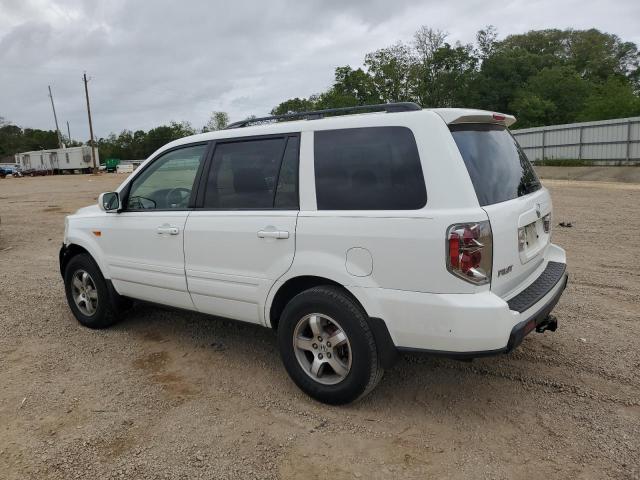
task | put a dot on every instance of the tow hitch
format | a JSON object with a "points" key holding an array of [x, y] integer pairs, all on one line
{"points": [[550, 323]]}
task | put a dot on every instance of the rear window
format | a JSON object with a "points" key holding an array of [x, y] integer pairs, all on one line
{"points": [[376, 168], [244, 175], [498, 167]]}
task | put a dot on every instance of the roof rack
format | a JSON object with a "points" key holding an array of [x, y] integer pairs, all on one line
{"points": [[315, 114]]}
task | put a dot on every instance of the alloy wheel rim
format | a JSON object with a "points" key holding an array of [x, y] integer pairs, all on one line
{"points": [[84, 292], [322, 348]]}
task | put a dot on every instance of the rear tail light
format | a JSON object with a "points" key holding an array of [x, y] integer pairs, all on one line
{"points": [[454, 250], [469, 251]]}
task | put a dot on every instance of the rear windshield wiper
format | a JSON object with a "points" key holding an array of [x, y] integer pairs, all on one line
{"points": [[528, 187]]}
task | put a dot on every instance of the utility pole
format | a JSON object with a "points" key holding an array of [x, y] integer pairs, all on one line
{"points": [[68, 132], [93, 148], [55, 117]]}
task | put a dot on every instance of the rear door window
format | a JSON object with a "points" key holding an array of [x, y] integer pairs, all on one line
{"points": [[498, 167], [247, 175], [375, 168], [287, 190]]}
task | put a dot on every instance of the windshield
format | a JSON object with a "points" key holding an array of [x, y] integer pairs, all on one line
{"points": [[498, 167]]}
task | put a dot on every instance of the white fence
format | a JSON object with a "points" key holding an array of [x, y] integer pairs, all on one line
{"points": [[606, 142]]}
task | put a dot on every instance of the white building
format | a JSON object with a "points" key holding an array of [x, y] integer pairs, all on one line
{"points": [[57, 160]]}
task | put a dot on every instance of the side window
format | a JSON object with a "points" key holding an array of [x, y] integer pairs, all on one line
{"points": [[287, 190], [375, 168], [166, 184], [246, 175]]}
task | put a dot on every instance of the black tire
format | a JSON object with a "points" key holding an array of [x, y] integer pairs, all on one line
{"points": [[365, 370], [106, 311]]}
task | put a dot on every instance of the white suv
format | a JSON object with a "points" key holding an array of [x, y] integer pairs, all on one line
{"points": [[353, 236]]}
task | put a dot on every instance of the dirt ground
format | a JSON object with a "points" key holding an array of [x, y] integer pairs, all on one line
{"points": [[172, 394]]}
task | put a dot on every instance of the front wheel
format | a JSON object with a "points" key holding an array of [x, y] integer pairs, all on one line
{"points": [[327, 346], [87, 293]]}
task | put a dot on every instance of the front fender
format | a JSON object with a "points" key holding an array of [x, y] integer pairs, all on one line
{"points": [[84, 240]]}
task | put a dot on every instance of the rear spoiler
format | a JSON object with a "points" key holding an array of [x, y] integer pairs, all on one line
{"points": [[454, 116]]}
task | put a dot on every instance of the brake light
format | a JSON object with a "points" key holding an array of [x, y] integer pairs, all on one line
{"points": [[469, 249], [454, 249], [498, 117]]}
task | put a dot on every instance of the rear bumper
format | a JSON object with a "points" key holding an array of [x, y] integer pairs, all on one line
{"points": [[538, 313], [466, 325]]}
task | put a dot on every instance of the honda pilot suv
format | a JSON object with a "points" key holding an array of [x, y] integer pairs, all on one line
{"points": [[353, 235]]}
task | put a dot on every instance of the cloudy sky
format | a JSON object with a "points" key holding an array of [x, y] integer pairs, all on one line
{"points": [[154, 61]]}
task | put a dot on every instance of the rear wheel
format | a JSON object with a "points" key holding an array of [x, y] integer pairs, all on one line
{"points": [[87, 293], [327, 347]]}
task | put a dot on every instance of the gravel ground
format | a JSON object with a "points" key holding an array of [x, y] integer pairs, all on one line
{"points": [[173, 394]]}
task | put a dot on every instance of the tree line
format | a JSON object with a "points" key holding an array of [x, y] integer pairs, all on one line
{"points": [[543, 77], [127, 145], [14, 139]]}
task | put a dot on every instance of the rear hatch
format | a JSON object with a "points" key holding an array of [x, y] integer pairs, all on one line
{"points": [[509, 190]]}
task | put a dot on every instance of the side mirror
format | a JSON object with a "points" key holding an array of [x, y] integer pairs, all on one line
{"points": [[109, 201]]}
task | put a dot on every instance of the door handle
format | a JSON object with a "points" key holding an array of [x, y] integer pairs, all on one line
{"points": [[273, 234], [167, 230]]}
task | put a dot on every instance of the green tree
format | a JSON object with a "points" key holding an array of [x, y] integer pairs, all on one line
{"points": [[14, 139], [613, 98], [426, 43], [503, 74], [597, 56], [537, 42], [543, 76], [217, 121], [554, 95], [453, 69], [594, 55], [351, 88], [159, 136], [486, 40], [293, 105], [390, 70], [137, 145]]}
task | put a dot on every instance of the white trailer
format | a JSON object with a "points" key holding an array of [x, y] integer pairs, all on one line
{"points": [[57, 160]]}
